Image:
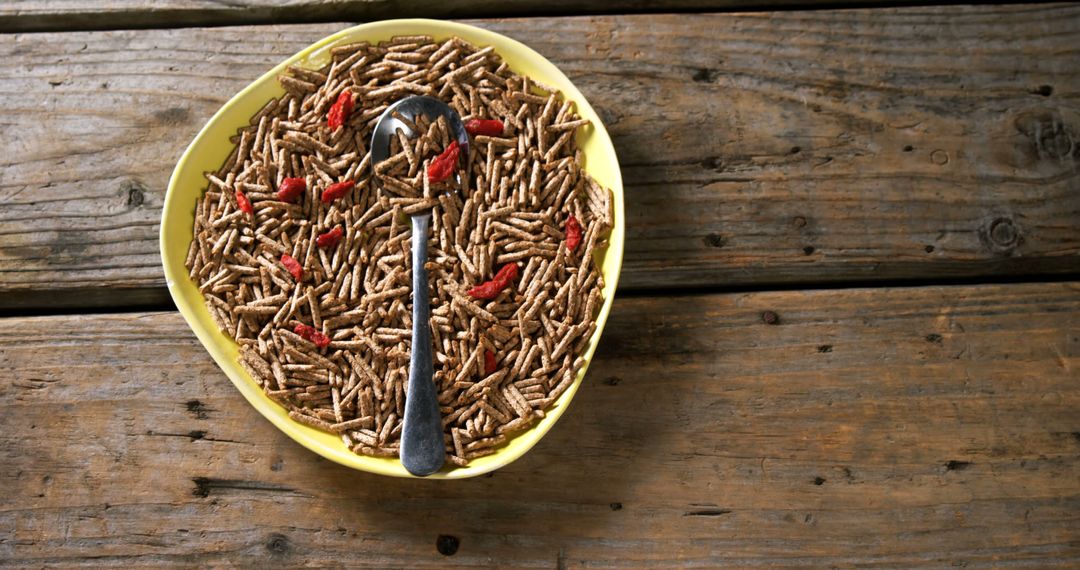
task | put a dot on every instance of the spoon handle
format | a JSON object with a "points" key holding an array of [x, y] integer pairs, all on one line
{"points": [[422, 448]]}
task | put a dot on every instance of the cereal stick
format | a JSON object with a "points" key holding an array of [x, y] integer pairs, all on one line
{"points": [[310, 421]]}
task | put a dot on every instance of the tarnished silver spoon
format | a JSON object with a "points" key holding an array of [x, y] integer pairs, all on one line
{"points": [[422, 449]]}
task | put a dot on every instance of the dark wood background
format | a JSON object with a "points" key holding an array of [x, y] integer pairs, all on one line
{"points": [[899, 186]]}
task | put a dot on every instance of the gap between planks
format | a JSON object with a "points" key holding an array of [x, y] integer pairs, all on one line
{"points": [[52, 303]]}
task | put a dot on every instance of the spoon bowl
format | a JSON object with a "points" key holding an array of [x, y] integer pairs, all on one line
{"points": [[409, 107]]}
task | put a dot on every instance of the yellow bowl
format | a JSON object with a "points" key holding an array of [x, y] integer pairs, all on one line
{"points": [[209, 150]]}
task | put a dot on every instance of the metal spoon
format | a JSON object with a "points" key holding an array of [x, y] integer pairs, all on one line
{"points": [[422, 449]]}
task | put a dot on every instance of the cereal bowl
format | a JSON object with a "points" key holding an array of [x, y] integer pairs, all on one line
{"points": [[212, 146]]}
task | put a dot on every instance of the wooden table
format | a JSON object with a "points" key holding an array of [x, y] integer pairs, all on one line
{"points": [[848, 330]]}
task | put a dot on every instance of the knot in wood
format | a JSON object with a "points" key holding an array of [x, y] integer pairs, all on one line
{"points": [[1003, 233], [715, 240], [1048, 133], [447, 545], [133, 192], [278, 544]]}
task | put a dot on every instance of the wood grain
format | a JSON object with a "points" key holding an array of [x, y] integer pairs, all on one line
{"points": [[66, 15], [785, 148], [928, 427]]}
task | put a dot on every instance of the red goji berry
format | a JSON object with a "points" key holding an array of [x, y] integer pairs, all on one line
{"points": [[293, 266], [506, 275], [487, 127], [308, 332], [490, 289], [444, 165], [244, 203], [330, 238], [291, 188], [489, 362], [335, 191], [340, 110], [485, 291], [573, 233]]}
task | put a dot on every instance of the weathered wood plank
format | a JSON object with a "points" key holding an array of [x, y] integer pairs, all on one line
{"points": [[926, 427], [782, 148], [66, 15]]}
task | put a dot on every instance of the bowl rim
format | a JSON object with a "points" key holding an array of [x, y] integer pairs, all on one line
{"points": [[219, 345]]}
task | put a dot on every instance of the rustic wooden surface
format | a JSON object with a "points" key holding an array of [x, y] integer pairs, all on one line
{"points": [[930, 426], [870, 427], [57, 15], [786, 148]]}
